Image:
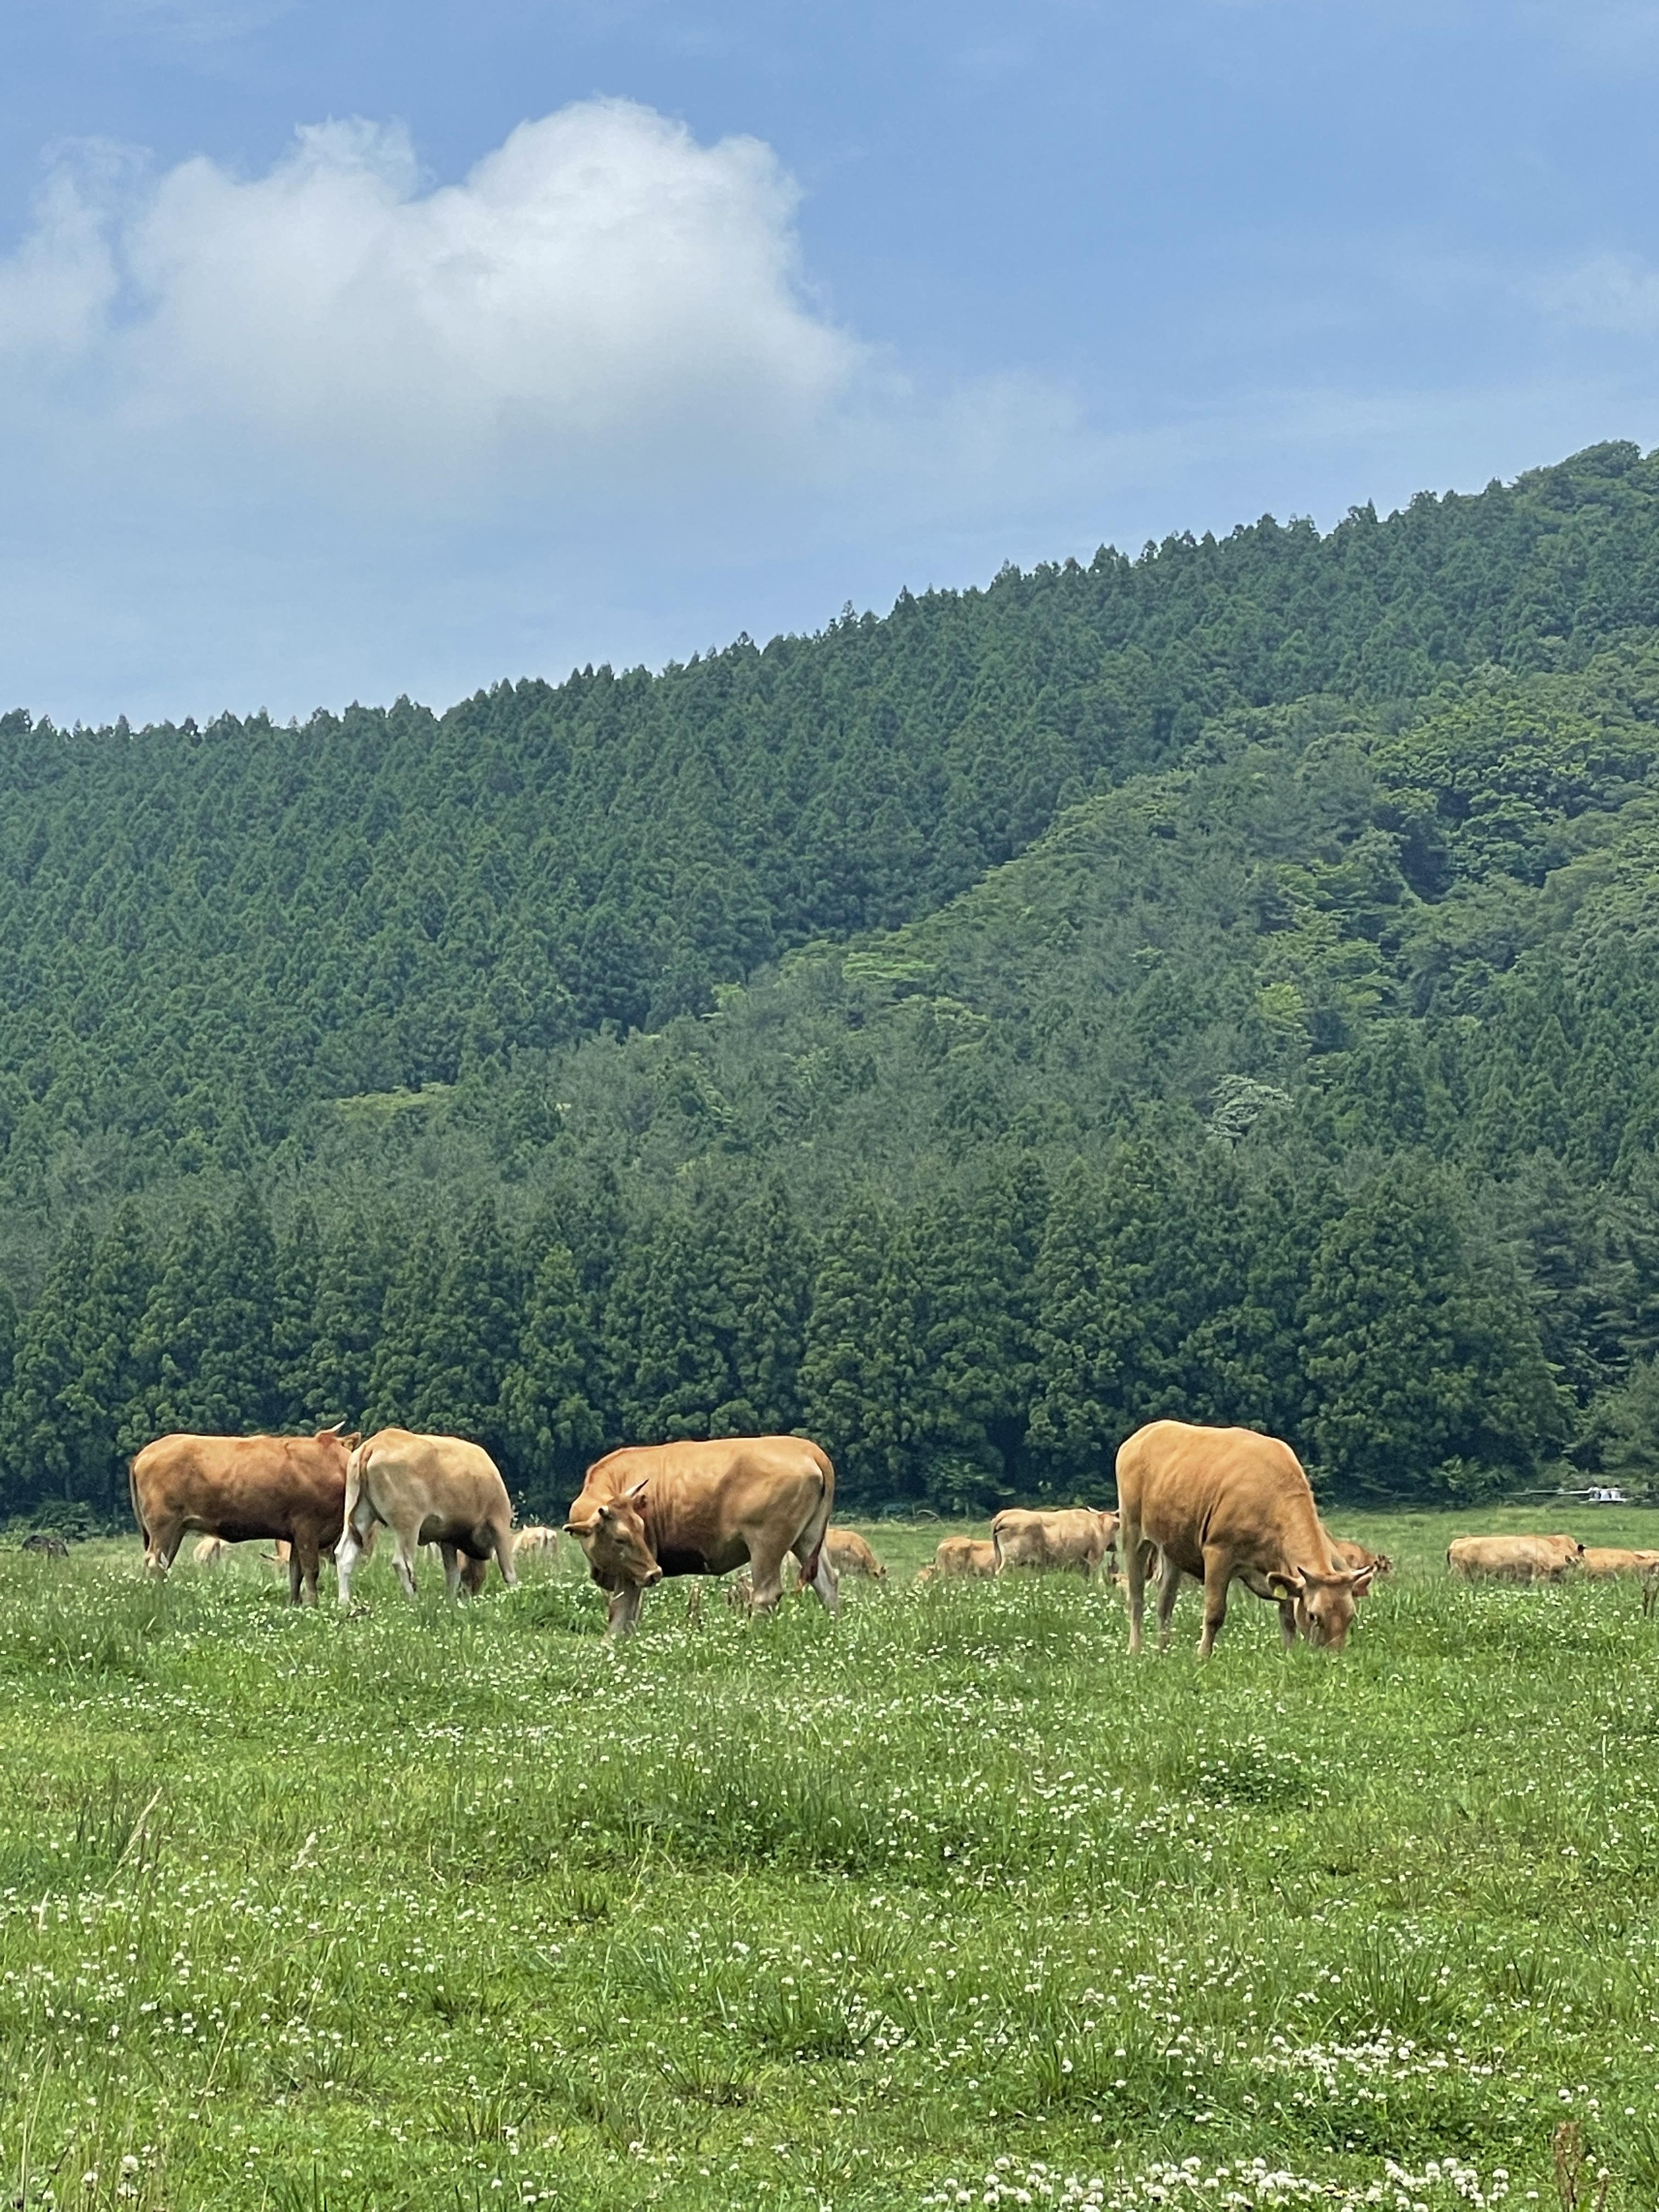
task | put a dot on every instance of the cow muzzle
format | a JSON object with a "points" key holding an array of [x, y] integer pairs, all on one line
{"points": [[653, 1577]]}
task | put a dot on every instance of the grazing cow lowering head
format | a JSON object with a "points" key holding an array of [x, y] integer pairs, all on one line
{"points": [[613, 1536], [1325, 1604]]}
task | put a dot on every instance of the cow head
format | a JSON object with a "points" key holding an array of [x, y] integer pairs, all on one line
{"points": [[1325, 1603], [348, 1444], [611, 1533]]}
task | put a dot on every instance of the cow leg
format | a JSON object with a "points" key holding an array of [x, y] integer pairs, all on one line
{"points": [[1134, 1561], [305, 1552], [161, 1547], [1218, 1573], [403, 1558], [294, 1574], [451, 1559], [355, 1539], [766, 1575], [622, 1612], [501, 1539], [1168, 1590]]}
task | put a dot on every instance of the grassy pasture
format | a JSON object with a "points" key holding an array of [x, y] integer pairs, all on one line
{"points": [[946, 1903]]}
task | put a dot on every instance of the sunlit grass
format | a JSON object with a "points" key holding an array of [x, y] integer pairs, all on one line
{"points": [[426, 1908]]}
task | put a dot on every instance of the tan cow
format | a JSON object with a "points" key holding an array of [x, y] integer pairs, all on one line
{"points": [[241, 1487], [697, 1508], [1602, 1563], [537, 1543], [1346, 1553], [1514, 1558], [849, 1554], [955, 1557], [427, 1490], [1077, 1537], [1226, 1505], [211, 1551]]}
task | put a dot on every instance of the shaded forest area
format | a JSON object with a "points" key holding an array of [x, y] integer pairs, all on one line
{"points": [[1220, 983]]}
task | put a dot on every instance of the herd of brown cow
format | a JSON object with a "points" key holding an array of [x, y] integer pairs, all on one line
{"points": [[1213, 1506]]}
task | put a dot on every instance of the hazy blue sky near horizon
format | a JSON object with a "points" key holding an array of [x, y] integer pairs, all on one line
{"points": [[356, 349]]}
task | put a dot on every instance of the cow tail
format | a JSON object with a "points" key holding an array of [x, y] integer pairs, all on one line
{"points": [[809, 1565], [356, 1467], [996, 1542], [132, 1494]]}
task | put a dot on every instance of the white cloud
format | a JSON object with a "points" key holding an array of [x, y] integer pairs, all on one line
{"points": [[600, 301], [1606, 292]]}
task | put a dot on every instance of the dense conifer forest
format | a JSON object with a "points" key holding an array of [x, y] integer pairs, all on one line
{"points": [[1221, 983]]}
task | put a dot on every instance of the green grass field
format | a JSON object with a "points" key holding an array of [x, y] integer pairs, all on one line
{"points": [[946, 1903]]}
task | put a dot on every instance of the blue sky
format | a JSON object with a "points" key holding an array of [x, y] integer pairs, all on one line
{"points": [[348, 349]]}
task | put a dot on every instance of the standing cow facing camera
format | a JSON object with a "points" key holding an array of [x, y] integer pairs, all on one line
{"points": [[1224, 1505], [698, 1507]]}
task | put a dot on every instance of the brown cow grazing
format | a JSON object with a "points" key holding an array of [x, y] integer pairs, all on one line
{"points": [[1078, 1537], [241, 1487], [1345, 1552], [1514, 1558], [1602, 1563], [849, 1554], [956, 1557], [1224, 1505], [702, 1508], [537, 1543], [427, 1490]]}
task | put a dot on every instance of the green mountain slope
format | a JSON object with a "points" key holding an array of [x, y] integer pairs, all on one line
{"points": [[1289, 1058], [202, 931]]}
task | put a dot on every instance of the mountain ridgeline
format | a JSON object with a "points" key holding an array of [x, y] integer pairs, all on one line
{"points": [[1221, 983]]}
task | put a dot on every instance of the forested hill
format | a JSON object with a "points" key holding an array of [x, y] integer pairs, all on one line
{"points": [[202, 930], [1222, 983]]}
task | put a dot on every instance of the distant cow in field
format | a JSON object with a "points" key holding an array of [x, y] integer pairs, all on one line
{"points": [[849, 1555], [1345, 1552], [1514, 1558], [46, 1543], [427, 1490], [1602, 1563], [536, 1543], [241, 1487], [703, 1507], [956, 1557], [1224, 1505], [211, 1551], [1078, 1537]]}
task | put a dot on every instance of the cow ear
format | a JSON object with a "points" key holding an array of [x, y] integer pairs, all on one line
{"points": [[1361, 1581], [1288, 1585]]}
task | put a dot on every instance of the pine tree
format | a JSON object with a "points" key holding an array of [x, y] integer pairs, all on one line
{"points": [[1079, 1338], [844, 1383], [470, 1336], [351, 1293], [770, 1281], [298, 1278], [106, 1402], [41, 1435], [552, 1423], [404, 1350]]}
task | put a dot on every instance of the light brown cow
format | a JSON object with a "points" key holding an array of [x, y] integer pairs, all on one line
{"points": [[1346, 1553], [427, 1490], [241, 1487], [1601, 1562], [1077, 1537], [849, 1554], [537, 1543], [959, 1556], [1224, 1505], [211, 1551], [697, 1508], [1514, 1558]]}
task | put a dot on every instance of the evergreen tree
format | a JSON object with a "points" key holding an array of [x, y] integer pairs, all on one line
{"points": [[1425, 1370], [845, 1387], [470, 1336], [106, 1402], [405, 1352], [552, 1423], [42, 1435], [297, 1278], [351, 1293]]}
